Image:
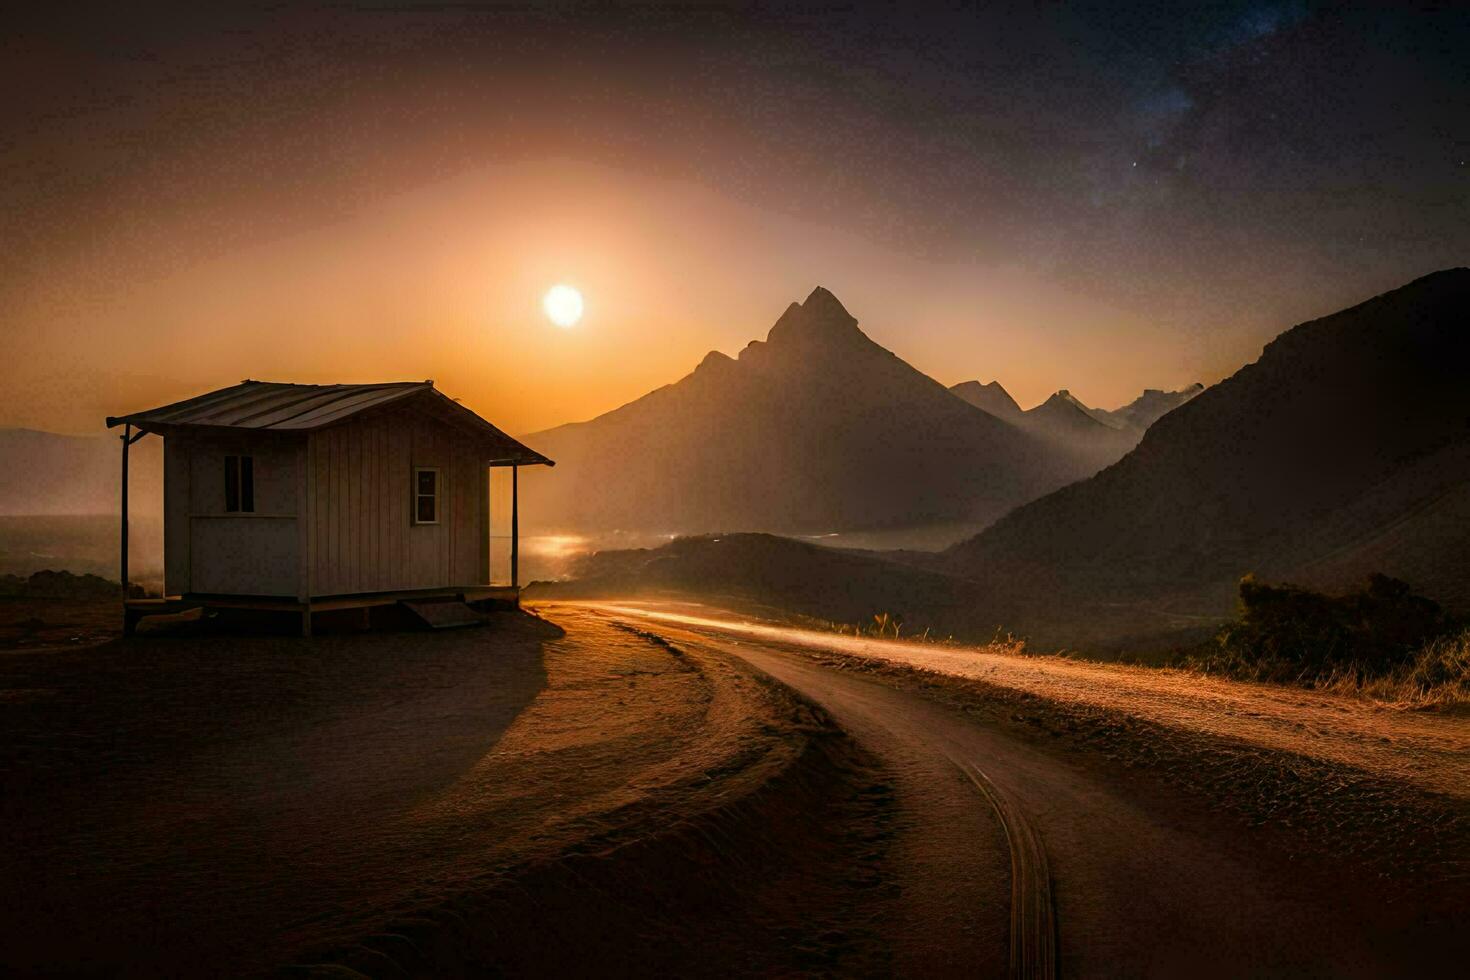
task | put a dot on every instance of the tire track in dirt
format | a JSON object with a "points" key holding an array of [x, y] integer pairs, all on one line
{"points": [[1033, 917], [1145, 873], [758, 847]]}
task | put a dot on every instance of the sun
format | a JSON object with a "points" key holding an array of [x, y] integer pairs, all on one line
{"points": [[563, 305]]}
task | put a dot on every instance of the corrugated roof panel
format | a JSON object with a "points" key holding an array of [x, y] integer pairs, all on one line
{"points": [[267, 414], [265, 406], [200, 406], [254, 400], [341, 407]]}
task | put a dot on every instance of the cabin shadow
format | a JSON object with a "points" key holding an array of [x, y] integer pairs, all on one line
{"points": [[194, 765]]}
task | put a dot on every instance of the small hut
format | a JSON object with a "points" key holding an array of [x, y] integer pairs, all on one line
{"points": [[309, 498]]}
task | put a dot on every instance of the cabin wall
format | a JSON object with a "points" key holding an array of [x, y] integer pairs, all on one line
{"points": [[362, 537], [209, 551]]}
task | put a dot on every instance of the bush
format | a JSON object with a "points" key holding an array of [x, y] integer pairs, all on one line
{"points": [[50, 584], [1285, 633]]}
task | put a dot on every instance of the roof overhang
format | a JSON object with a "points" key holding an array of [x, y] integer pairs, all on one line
{"points": [[275, 410]]}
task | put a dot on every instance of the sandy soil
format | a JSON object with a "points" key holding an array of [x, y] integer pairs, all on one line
{"points": [[1155, 872], [399, 802], [29, 624], [1376, 787], [1430, 750], [607, 791]]}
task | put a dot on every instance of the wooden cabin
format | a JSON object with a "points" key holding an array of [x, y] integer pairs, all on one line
{"points": [[325, 497]]}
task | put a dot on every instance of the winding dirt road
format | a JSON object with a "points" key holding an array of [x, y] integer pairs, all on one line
{"points": [[1146, 881]]}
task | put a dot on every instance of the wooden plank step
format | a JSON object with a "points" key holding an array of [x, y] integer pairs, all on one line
{"points": [[444, 615]]}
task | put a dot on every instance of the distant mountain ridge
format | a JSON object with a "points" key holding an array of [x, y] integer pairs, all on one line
{"points": [[990, 398], [1093, 438], [1138, 414], [815, 428], [1344, 449], [1148, 407]]}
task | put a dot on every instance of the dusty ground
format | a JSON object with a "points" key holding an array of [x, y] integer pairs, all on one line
{"points": [[1428, 749], [604, 792], [1174, 850], [28, 624], [509, 799]]}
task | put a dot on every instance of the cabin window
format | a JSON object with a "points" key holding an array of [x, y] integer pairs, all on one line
{"points": [[240, 484], [425, 495]]}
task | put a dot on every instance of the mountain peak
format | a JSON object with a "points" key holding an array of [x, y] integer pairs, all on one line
{"points": [[1065, 397], [713, 361], [1065, 406], [821, 302], [992, 398], [820, 319]]}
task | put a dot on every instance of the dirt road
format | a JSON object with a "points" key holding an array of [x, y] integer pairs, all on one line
{"points": [[1147, 881], [615, 794], [1427, 749]]}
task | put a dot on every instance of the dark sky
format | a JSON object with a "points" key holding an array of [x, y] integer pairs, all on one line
{"points": [[1168, 159]]}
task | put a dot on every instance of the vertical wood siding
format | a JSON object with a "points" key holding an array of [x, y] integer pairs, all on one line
{"points": [[361, 506], [208, 549], [176, 515]]}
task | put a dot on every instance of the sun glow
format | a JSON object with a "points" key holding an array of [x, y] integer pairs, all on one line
{"points": [[563, 305]]}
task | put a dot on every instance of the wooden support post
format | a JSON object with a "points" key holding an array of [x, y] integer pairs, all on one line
{"points": [[127, 442], [486, 530], [515, 527], [305, 539]]}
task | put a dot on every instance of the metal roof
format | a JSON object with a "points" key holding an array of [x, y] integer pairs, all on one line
{"points": [[269, 406]]}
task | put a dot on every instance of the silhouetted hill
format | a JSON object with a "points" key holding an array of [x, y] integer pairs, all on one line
{"points": [[1091, 437], [1071, 426], [45, 473], [1064, 417], [1148, 407], [794, 576], [815, 428], [1342, 450], [990, 398]]}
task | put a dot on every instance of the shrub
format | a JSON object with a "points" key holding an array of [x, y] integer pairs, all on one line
{"points": [[1285, 633], [48, 584]]}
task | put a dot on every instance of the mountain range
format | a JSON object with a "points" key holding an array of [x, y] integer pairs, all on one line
{"points": [[1093, 437], [1342, 451], [815, 428]]}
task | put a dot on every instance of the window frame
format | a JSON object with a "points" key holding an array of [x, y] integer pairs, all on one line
{"points": [[239, 483], [415, 496]]}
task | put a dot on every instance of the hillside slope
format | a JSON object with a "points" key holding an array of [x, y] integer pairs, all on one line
{"points": [[1148, 407], [990, 398], [1342, 450]]}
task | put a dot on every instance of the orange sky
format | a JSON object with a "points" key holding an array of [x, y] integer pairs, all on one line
{"points": [[1101, 198], [445, 282]]}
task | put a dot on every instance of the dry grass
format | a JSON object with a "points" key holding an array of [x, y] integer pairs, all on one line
{"points": [[885, 626], [1382, 643], [1437, 677]]}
